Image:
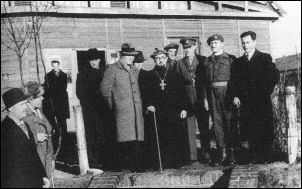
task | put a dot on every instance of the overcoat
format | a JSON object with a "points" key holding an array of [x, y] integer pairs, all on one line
{"points": [[194, 92], [44, 149], [253, 82], [122, 94], [21, 166], [56, 90]]}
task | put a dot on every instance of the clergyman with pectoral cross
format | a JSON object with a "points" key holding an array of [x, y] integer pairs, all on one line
{"points": [[163, 94]]}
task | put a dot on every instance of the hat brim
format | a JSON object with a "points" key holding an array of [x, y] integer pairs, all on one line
{"points": [[26, 99], [129, 53], [186, 46]]}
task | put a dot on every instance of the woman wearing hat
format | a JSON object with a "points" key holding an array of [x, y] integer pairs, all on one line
{"points": [[122, 94], [39, 125], [20, 163]]}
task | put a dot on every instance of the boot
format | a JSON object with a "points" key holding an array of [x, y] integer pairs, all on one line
{"points": [[224, 156], [205, 156]]}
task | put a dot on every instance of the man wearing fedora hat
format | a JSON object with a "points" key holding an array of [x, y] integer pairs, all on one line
{"points": [[39, 125], [93, 106], [122, 94], [163, 95], [139, 60], [20, 163]]}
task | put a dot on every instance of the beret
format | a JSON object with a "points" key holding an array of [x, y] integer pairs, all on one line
{"points": [[214, 37]]}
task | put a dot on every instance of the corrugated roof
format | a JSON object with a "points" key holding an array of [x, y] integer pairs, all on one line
{"points": [[289, 62]]}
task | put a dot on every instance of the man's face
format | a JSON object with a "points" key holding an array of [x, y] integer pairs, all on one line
{"points": [[56, 66], [19, 110], [37, 102], [95, 63], [138, 65], [216, 46], [128, 59], [190, 51], [172, 54], [160, 60], [248, 44]]}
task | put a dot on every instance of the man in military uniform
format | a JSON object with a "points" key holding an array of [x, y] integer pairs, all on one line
{"points": [[254, 77], [190, 68], [217, 71], [171, 49]]}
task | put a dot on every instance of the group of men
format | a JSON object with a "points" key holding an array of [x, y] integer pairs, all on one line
{"points": [[159, 111], [148, 113]]}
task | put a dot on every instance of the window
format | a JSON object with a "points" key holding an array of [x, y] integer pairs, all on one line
{"points": [[22, 3], [119, 4]]}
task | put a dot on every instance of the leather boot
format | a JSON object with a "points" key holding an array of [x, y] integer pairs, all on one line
{"points": [[223, 155]]}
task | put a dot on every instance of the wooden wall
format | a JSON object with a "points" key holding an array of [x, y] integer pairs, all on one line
{"points": [[145, 34]]}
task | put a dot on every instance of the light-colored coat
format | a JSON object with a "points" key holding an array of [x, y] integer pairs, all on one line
{"points": [[44, 149], [121, 91]]}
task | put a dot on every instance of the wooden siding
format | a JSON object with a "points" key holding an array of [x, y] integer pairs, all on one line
{"points": [[145, 34]]}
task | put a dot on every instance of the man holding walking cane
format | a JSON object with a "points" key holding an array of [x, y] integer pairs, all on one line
{"points": [[165, 101]]}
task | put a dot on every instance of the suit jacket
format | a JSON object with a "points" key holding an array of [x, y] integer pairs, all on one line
{"points": [[253, 81], [194, 93], [56, 90], [44, 149], [21, 166]]}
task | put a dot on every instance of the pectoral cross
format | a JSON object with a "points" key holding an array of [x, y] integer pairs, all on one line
{"points": [[193, 82], [162, 84]]}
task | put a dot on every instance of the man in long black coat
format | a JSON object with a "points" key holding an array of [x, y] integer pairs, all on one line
{"points": [[56, 96], [163, 94], [21, 166], [254, 77]]}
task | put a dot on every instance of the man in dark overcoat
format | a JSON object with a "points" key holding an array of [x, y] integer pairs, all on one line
{"points": [[190, 68], [163, 95], [94, 107], [254, 77], [21, 166], [56, 101]]}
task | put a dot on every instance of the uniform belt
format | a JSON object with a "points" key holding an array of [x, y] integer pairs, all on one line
{"points": [[219, 84]]}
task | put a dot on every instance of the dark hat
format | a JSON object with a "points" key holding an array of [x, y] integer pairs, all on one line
{"points": [[188, 42], [128, 49], [93, 54], [171, 46], [214, 37], [13, 96], [139, 58], [32, 89], [158, 52]]}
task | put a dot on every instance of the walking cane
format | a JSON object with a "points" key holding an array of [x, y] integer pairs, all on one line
{"points": [[158, 148]]}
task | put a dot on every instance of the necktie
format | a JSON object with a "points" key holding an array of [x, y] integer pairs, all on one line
{"points": [[38, 112]]}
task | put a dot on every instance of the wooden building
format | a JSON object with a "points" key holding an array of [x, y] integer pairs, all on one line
{"points": [[73, 27]]}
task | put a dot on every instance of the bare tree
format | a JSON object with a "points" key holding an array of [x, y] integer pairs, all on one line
{"points": [[18, 34]]}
